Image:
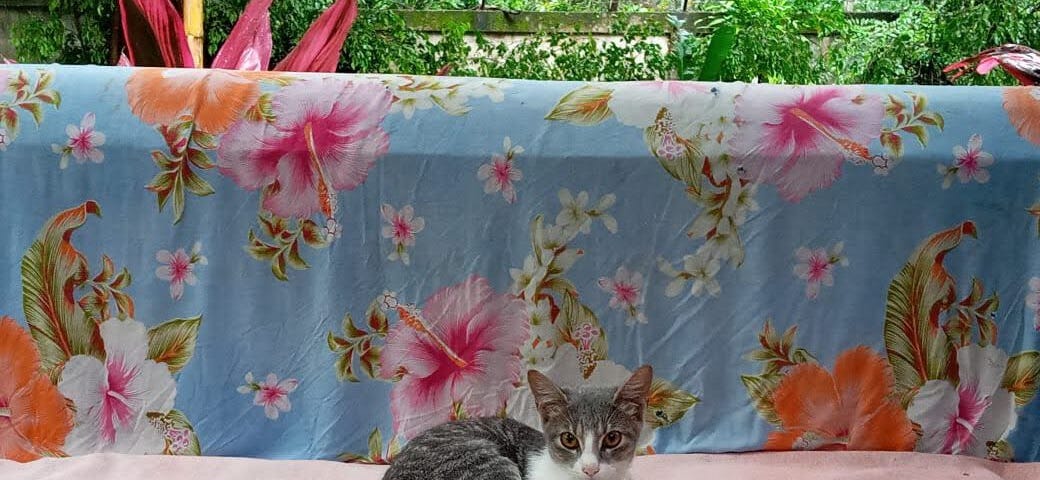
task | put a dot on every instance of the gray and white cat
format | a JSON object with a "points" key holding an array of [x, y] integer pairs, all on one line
{"points": [[588, 434]]}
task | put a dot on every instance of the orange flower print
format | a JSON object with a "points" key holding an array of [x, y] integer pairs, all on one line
{"points": [[33, 417], [1022, 105], [215, 98], [849, 410]]}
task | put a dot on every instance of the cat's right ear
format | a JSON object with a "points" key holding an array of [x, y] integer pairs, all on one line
{"points": [[551, 401]]}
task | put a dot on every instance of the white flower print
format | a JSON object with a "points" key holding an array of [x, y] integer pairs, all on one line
{"points": [[113, 396]]}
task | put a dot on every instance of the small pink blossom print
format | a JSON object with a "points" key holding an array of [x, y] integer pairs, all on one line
{"points": [[178, 268], [401, 229], [969, 163], [501, 173], [626, 290], [1033, 301], [83, 143], [797, 138], [816, 267], [270, 393]]}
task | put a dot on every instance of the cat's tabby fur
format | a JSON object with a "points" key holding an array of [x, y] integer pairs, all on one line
{"points": [[589, 434]]}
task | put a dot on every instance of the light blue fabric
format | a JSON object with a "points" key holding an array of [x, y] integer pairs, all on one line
{"points": [[431, 160]]}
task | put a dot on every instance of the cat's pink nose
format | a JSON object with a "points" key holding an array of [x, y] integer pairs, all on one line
{"points": [[590, 470]]}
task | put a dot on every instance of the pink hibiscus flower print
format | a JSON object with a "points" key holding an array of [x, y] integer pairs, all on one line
{"points": [[83, 143], [816, 267], [501, 173], [401, 229], [1033, 301], [178, 268], [796, 138], [970, 163], [459, 355], [271, 394], [626, 292], [314, 148], [114, 396]]}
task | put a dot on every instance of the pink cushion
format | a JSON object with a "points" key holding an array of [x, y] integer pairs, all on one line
{"points": [[755, 466]]}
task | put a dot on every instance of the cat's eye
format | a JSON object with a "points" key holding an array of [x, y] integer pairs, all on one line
{"points": [[569, 441], [612, 439]]}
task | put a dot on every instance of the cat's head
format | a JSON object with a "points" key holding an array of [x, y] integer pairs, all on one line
{"points": [[592, 432]]}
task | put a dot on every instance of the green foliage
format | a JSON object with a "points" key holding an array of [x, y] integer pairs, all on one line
{"points": [[82, 39], [573, 56], [778, 41]]}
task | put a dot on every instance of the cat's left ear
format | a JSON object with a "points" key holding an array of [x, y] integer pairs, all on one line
{"points": [[631, 397]]}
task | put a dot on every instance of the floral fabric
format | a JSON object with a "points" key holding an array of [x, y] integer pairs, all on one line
{"points": [[323, 266]]}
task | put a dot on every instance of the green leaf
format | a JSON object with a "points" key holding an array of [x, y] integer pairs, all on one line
{"points": [[278, 266], [34, 109], [292, 252], [164, 162], [199, 158], [760, 388], [349, 328], [312, 234], [52, 269], [916, 344], [178, 200], [893, 143], [377, 320], [585, 106], [686, 168], [719, 49], [667, 404], [259, 249], [934, 119], [9, 117], [920, 103], [194, 183], [1022, 376], [203, 140], [574, 316], [263, 111], [173, 342], [124, 304], [345, 365], [108, 269], [370, 357], [562, 286], [918, 131], [375, 444], [122, 280], [45, 80]]}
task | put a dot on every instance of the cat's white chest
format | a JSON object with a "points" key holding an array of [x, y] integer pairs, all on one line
{"points": [[542, 467]]}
